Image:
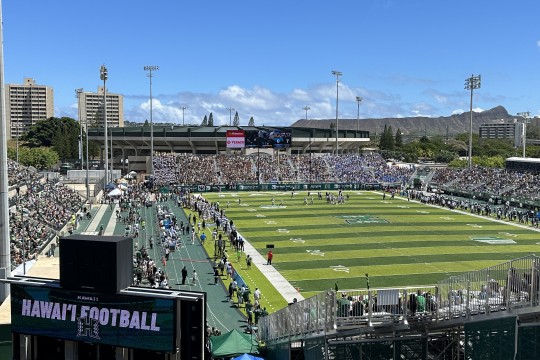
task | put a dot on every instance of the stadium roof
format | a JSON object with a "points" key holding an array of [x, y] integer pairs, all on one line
{"points": [[136, 140]]}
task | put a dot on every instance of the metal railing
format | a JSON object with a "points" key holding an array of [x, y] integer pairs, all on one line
{"points": [[504, 287]]}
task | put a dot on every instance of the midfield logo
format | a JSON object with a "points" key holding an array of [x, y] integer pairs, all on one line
{"points": [[362, 219]]}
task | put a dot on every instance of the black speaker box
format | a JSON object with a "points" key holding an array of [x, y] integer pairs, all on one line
{"points": [[96, 263]]}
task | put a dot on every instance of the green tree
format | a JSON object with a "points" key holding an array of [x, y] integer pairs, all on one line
{"points": [[42, 158], [398, 141], [236, 120], [390, 139], [211, 120], [387, 139], [383, 141], [205, 121], [251, 121], [60, 133], [94, 149], [146, 123]]}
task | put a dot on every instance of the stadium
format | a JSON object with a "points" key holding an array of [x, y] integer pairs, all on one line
{"points": [[366, 261]]}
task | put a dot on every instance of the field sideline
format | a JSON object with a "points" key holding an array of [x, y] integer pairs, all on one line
{"points": [[396, 242]]}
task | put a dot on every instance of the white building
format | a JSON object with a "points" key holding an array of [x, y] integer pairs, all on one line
{"points": [[27, 104], [91, 109]]}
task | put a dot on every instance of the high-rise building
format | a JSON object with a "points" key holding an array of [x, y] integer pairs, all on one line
{"points": [[27, 104], [511, 130], [91, 109]]}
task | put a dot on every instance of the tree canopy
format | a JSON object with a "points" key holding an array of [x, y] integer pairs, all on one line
{"points": [[62, 134]]}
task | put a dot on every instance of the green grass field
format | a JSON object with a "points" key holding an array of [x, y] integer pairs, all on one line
{"points": [[398, 243]]}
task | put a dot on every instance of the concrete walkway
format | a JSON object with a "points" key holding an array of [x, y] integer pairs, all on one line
{"points": [[281, 284]]}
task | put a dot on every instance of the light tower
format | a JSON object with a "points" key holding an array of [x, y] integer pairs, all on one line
{"points": [[337, 74], [183, 107], [471, 84], [104, 75], [231, 109], [358, 100], [151, 68]]}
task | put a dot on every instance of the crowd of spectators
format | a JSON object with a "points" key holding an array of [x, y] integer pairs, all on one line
{"points": [[19, 175], [233, 169], [493, 181], [39, 209]]}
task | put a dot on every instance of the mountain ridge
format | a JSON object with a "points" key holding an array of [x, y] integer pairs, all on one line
{"points": [[418, 125]]}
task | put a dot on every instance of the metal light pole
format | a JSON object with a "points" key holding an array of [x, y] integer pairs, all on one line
{"points": [[112, 155], [358, 100], [471, 84], [230, 115], [78, 93], [5, 249], [104, 75], [525, 115], [151, 68], [306, 109], [337, 74], [87, 162], [183, 107], [18, 129]]}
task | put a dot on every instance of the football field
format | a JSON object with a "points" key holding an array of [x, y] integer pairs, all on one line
{"points": [[397, 242]]}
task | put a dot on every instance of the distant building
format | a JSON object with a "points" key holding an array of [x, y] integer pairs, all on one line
{"points": [[26, 104], [91, 109], [503, 130]]}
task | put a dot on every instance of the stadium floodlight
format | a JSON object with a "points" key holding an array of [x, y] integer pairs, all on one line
{"points": [[151, 68], [471, 84], [306, 108], [78, 93], [231, 109], [183, 108], [358, 100], [525, 115], [337, 74], [104, 75]]}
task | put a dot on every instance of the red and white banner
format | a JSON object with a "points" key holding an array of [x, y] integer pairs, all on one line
{"points": [[236, 139]]}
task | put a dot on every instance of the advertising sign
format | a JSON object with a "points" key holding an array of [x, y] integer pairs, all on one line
{"points": [[114, 319], [236, 139]]}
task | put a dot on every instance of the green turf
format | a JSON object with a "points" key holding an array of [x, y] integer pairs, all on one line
{"points": [[397, 242]]}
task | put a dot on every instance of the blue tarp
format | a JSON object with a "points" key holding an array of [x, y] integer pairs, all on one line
{"points": [[247, 357]]}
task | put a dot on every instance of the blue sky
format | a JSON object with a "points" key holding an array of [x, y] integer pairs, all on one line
{"points": [[269, 59]]}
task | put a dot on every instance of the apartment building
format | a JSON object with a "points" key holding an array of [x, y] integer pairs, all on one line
{"points": [[503, 130], [26, 104], [91, 109]]}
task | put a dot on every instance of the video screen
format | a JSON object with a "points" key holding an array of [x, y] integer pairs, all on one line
{"points": [[268, 138]]}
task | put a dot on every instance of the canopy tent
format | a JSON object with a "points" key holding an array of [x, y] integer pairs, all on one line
{"points": [[233, 343], [247, 357], [115, 192]]}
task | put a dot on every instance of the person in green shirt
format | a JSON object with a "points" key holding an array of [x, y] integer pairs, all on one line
{"points": [[420, 302]]}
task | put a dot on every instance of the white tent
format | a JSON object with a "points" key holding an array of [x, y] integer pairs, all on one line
{"points": [[115, 192]]}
